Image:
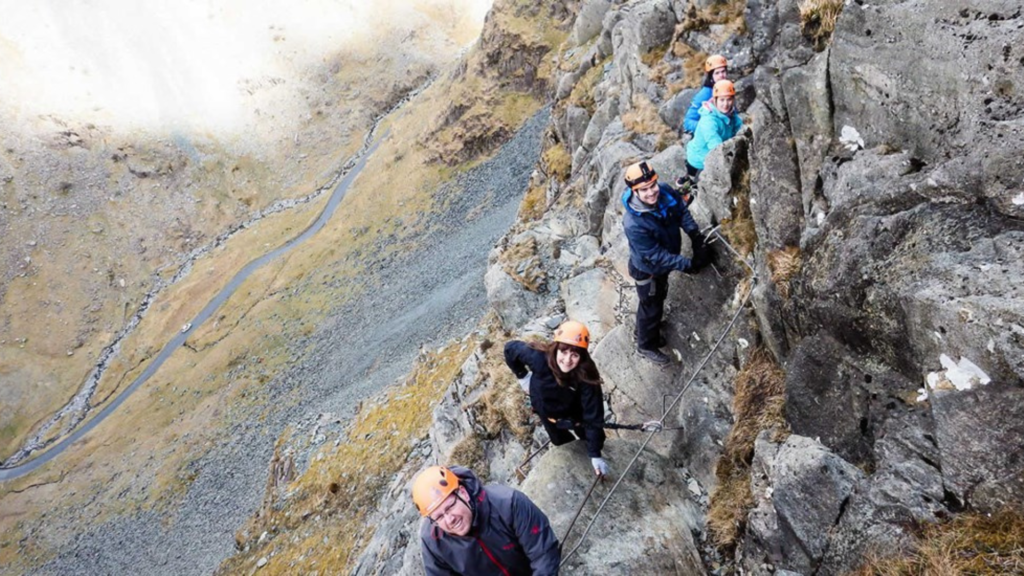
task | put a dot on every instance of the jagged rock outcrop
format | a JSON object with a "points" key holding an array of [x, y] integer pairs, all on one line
{"points": [[800, 490], [875, 195]]}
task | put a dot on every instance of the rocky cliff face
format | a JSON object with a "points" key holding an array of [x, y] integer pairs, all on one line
{"points": [[877, 197]]}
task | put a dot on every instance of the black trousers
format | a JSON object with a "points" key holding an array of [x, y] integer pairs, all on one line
{"points": [[650, 310], [692, 172], [561, 436]]}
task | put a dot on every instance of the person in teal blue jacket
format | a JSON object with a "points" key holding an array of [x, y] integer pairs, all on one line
{"points": [[718, 123], [716, 68]]}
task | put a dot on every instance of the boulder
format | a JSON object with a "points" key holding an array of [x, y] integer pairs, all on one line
{"points": [[673, 110], [603, 116], [608, 166], [894, 276], [769, 309], [641, 26], [576, 122], [980, 435], [645, 527], [591, 298], [809, 112], [588, 21], [905, 490], [775, 198], [451, 421], [723, 170], [800, 489], [511, 301], [839, 398], [935, 79]]}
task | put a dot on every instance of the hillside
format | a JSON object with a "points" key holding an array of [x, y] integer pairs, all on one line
{"points": [[848, 375]]}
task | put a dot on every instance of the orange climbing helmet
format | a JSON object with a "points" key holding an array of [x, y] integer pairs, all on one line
{"points": [[573, 333], [636, 175], [714, 62], [723, 88], [432, 486]]}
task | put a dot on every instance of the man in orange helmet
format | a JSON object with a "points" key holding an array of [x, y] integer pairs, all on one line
{"points": [[654, 214], [471, 529]]}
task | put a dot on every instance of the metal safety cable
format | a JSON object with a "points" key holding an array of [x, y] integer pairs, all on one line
{"points": [[678, 397]]}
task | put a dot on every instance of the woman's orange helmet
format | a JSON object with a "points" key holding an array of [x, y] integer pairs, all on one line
{"points": [[574, 334], [714, 62], [723, 88], [432, 486]]}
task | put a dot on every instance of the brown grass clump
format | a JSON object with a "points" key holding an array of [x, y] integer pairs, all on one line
{"points": [[469, 452], [968, 544], [522, 263], [784, 264], [582, 94], [643, 118], [557, 162], [739, 230], [758, 405], [730, 14], [818, 20], [692, 65], [654, 59], [503, 406], [534, 203]]}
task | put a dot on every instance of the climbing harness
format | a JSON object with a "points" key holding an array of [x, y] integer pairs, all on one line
{"points": [[675, 401]]}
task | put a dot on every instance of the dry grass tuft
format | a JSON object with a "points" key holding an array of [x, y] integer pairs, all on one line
{"points": [[534, 203], [739, 230], [522, 262], [818, 20], [967, 544], [557, 162], [582, 94], [503, 406], [469, 452], [643, 118], [654, 59], [784, 264], [758, 404], [728, 14], [692, 65]]}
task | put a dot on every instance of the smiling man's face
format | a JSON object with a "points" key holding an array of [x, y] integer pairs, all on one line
{"points": [[453, 516]]}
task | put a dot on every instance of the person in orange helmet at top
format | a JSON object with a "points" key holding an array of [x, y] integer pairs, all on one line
{"points": [[564, 387], [716, 68], [471, 529], [718, 123]]}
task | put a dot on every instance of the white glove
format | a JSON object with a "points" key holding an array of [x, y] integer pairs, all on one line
{"points": [[524, 382], [600, 466]]}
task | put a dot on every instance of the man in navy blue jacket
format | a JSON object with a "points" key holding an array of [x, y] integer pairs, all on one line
{"points": [[471, 529], [654, 215]]}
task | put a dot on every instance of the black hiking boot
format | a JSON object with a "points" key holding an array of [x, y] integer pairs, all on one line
{"points": [[661, 342], [687, 188], [656, 356]]}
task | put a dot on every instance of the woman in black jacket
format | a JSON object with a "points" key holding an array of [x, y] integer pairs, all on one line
{"points": [[564, 387]]}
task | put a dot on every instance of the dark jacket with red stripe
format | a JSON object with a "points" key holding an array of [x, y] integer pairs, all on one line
{"points": [[510, 536]]}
